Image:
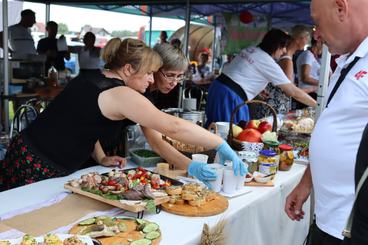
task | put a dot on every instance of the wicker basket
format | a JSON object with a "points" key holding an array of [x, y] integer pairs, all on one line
{"points": [[236, 144], [188, 149]]}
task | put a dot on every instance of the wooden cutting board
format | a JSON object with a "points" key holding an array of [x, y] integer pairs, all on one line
{"points": [[122, 238], [134, 206], [213, 207], [255, 183]]}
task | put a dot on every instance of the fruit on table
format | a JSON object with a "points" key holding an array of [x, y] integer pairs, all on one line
{"points": [[253, 124], [250, 135], [236, 130], [264, 126], [269, 136]]}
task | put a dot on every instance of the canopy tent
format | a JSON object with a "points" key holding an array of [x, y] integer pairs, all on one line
{"points": [[281, 13]]}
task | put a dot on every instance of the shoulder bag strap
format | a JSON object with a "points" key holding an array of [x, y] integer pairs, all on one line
{"points": [[343, 74], [347, 231]]}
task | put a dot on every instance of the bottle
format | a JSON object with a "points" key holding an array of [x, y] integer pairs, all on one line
{"points": [[52, 76]]}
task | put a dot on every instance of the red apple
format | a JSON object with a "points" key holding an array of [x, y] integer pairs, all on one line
{"points": [[252, 124], [250, 135], [264, 126]]}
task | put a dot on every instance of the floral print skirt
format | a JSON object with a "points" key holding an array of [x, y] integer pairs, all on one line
{"points": [[22, 166]]}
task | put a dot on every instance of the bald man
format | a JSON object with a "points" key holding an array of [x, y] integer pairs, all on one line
{"points": [[343, 26]]}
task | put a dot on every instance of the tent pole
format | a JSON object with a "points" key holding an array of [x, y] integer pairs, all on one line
{"points": [[214, 51], [186, 47], [150, 27], [323, 80], [47, 14], [6, 66]]}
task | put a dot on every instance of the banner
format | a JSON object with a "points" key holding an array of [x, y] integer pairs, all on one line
{"points": [[238, 35]]}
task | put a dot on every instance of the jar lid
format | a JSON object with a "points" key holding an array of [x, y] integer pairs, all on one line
{"points": [[271, 143], [267, 153], [285, 147]]}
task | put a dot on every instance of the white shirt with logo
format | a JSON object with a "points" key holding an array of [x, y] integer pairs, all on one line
{"points": [[253, 69], [334, 143], [21, 41], [307, 58]]}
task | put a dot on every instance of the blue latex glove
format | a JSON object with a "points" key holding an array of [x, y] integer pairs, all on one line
{"points": [[202, 171], [226, 153]]}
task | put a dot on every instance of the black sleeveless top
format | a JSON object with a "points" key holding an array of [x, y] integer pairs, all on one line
{"points": [[66, 131]]}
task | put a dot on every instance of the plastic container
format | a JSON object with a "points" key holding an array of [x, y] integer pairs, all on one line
{"points": [[250, 158], [268, 162], [286, 157], [145, 161]]}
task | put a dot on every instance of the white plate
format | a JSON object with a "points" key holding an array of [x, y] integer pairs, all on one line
{"points": [[242, 191], [40, 239]]}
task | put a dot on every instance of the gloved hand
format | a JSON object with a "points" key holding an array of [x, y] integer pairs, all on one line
{"points": [[202, 171], [226, 153]]}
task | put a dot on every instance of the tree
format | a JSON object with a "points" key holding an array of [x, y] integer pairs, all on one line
{"points": [[123, 33], [63, 29]]}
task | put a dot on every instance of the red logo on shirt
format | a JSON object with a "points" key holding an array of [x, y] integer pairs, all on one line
{"points": [[360, 74]]}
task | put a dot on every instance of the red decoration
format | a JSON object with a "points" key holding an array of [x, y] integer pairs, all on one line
{"points": [[246, 17]]}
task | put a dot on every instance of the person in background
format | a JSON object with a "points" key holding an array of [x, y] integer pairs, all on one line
{"points": [[67, 132], [299, 38], [176, 43], [48, 46], [89, 55], [20, 38], [343, 26], [308, 66], [163, 37], [247, 75], [203, 74]]}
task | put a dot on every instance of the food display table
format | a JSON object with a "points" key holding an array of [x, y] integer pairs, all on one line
{"points": [[257, 217]]}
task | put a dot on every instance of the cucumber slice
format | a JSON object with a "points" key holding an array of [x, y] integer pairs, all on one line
{"points": [[140, 227], [141, 242], [140, 221], [152, 235], [89, 221], [150, 227]]}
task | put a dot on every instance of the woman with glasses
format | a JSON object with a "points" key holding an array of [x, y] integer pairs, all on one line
{"points": [[170, 74], [67, 132]]}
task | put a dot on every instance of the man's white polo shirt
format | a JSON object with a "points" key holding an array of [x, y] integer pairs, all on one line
{"points": [[335, 141]]}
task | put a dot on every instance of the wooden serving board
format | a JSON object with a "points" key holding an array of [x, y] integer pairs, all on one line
{"points": [[213, 207], [255, 183], [122, 237], [134, 206]]}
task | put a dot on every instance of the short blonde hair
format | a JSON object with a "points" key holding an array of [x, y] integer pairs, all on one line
{"points": [[299, 31], [118, 53]]}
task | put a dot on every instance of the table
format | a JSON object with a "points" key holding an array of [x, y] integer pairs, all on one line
{"points": [[255, 218]]}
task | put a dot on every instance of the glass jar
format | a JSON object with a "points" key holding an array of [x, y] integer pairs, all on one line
{"points": [[267, 162], [272, 145], [249, 158], [286, 157]]}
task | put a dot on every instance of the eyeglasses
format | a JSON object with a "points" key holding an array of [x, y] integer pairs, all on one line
{"points": [[173, 78]]}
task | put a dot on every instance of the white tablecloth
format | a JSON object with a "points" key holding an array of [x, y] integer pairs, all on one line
{"points": [[255, 218]]}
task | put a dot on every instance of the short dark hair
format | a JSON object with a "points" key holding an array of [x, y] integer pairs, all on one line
{"points": [[27, 12], [273, 40], [51, 23]]}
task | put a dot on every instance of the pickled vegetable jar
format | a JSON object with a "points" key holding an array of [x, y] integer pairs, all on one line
{"points": [[286, 157], [268, 162]]}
